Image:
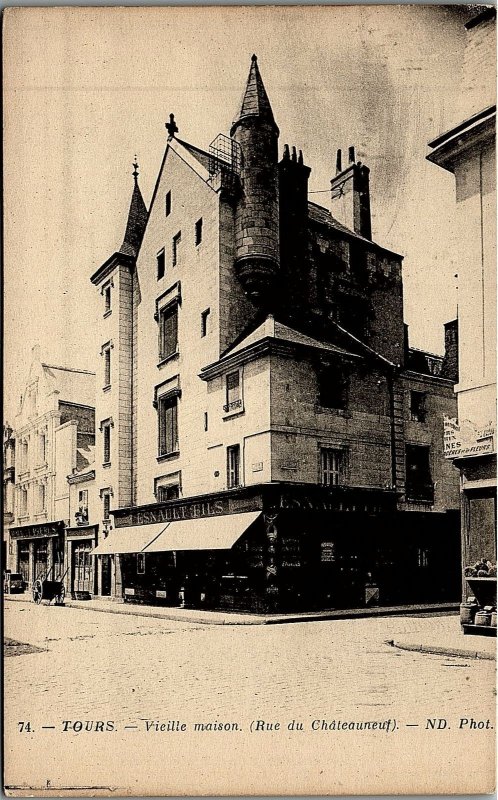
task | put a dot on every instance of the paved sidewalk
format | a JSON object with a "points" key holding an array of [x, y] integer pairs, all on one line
{"points": [[233, 618], [446, 637]]}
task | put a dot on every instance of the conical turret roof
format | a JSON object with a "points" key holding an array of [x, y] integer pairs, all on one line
{"points": [[255, 102], [137, 220]]}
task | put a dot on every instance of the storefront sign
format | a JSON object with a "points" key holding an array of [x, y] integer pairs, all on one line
{"points": [[464, 440], [206, 508], [37, 531]]}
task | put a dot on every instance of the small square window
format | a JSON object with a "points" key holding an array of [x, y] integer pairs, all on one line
{"points": [[198, 231], [168, 204], [331, 466], [165, 493], [176, 245], [161, 264], [204, 321]]}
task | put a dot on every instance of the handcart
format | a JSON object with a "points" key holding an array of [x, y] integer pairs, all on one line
{"points": [[44, 589]]}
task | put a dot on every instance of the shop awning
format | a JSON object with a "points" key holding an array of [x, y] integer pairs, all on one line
{"points": [[207, 533], [129, 540]]}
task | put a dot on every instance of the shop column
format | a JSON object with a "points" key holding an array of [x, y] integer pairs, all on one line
{"points": [[272, 595], [31, 570]]}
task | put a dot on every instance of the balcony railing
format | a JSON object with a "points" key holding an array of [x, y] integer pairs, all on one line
{"points": [[232, 406], [420, 492]]}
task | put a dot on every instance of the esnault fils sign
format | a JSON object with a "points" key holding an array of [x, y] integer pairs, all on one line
{"points": [[464, 439], [203, 508]]}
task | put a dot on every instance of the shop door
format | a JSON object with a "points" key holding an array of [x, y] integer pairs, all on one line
{"points": [[106, 575], [40, 559], [83, 567], [23, 566]]}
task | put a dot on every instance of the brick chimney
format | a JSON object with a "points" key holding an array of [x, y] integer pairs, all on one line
{"points": [[350, 195], [450, 361]]}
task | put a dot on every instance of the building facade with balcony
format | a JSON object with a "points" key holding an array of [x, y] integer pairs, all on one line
{"points": [[266, 435], [468, 151], [54, 430]]}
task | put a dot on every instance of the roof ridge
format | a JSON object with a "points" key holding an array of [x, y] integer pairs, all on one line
{"points": [[68, 369]]}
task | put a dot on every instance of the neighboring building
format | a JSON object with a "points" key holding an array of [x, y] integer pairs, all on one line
{"points": [[9, 456], [83, 527], [54, 430], [266, 436], [468, 151]]}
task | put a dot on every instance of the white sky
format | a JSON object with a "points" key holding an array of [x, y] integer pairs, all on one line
{"points": [[86, 89]]}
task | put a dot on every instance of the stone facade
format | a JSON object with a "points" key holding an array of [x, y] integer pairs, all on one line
{"points": [[259, 341]]}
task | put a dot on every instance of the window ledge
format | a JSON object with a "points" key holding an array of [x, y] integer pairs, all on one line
{"points": [[23, 475], [336, 412], [168, 456], [167, 359], [108, 313], [106, 464], [23, 517], [40, 467], [106, 388], [235, 412], [40, 514]]}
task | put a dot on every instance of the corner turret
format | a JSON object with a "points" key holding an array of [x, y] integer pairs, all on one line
{"points": [[257, 255]]}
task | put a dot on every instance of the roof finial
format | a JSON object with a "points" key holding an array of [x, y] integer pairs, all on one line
{"points": [[135, 169], [171, 126], [254, 57]]}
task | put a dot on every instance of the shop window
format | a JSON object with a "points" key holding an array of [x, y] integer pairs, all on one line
{"points": [[331, 464], [233, 466], [140, 563], [333, 386], [168, 331], [417, 406], [167, 409], [168, 204], [176, 247], [419, 485], [165, 493], [204, 321], [161, 264], [422, 557], [233, 394], [198, 231]]}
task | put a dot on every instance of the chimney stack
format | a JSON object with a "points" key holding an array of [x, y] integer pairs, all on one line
{"points": [[350, 195]]}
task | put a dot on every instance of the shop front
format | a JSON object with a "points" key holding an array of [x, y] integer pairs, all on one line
{"points": [[39, 551], [81, 577], [280, 548]]}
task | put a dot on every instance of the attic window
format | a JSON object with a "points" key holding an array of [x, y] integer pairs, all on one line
{"points": [[198, 231], [168, 204]]}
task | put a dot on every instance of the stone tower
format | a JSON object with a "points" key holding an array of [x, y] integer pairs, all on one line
{"points": [[257, 214]]}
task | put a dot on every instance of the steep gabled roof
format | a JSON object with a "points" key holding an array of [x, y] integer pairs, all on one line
{"points": [[74, 385], [324, 217], [271, 329]]}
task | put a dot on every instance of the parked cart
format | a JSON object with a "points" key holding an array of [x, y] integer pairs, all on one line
{"points": [[44, 589]]}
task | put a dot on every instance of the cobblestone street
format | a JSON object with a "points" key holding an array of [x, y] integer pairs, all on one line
{"points": [[125, 669]]}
